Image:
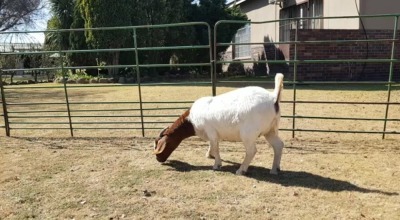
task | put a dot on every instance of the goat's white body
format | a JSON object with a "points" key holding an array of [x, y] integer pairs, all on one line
{"points": [[240, 115], [243, 113]]}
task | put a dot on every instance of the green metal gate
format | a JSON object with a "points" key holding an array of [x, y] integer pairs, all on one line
{"points": [[66, 111], [64, 115], [295, 83]]}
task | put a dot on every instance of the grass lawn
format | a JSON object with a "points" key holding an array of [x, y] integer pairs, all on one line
{"points": [[112, 174]]}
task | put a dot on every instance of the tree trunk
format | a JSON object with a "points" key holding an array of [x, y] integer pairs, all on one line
{"points": [[115, 61], [35, 75], [12, 77]]}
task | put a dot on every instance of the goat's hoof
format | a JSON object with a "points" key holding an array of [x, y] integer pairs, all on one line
{"points": [[275, 171], [210, 156], [241, 172], [217, 167]]}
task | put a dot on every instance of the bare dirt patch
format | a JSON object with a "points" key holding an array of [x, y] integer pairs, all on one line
{"points": [[82, 178]]}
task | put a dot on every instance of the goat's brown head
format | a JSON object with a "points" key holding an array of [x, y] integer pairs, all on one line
{"points": [[170, 137], [163, 147]]}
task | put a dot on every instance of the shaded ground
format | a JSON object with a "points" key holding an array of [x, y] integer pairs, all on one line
{"points": [[119, 178]]}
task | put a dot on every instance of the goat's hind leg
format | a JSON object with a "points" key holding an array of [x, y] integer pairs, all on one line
{"points": [[251, 151], [213, 152], [209, 152], [277, 145]]}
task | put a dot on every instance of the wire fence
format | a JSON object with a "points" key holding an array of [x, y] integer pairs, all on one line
{"points": [[137, 105]]}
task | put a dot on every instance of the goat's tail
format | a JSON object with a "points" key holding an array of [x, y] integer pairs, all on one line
{"points": [[278, 87]]}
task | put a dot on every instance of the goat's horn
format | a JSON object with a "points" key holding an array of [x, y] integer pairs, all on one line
{"points": [[160, 135], [159, 150]]}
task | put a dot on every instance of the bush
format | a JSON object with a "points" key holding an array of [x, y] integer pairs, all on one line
{"points": [[70, 75], [236, 69], [260, 69]]}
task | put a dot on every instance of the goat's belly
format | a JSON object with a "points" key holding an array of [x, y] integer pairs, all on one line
{"points": [[225, 133], [229, 134], [228, 137]]}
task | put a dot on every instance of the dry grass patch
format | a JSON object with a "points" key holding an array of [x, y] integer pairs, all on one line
{"points": [[79, 178], [155, 113], [104, 174]]}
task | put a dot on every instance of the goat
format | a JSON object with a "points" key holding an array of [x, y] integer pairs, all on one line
{"points": [[243, 115]]}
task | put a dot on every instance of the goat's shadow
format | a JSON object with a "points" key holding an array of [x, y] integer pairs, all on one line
{"points": [[285, 178]]}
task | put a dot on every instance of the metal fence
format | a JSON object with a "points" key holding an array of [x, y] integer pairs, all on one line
{"points": [[21, 113], [65, 110]]}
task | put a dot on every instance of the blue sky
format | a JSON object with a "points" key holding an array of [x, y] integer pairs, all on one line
{"points": [[41, 22]]}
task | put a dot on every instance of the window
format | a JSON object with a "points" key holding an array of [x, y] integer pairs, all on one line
{"points": [[310, 9], [242, 36]]}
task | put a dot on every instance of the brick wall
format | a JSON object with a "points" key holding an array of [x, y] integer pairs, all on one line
{"points": [[332, 51]]}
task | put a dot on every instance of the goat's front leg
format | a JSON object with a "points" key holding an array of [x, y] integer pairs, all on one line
{"points": [[251, 151], [213, 152], [277, 145]]}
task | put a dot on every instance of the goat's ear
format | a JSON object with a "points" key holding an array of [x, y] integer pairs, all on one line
{"points": [[160, 145]]}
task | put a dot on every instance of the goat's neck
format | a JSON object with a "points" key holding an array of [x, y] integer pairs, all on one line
{"points": [[183, 131], [182, 128]]}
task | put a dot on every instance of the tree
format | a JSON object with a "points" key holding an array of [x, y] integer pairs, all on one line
{"points": [[105, 13], [9, 62], [17, 12], [52, 40], [162, 12], [33, 61], [212, 11], [63, 17], [77, 41]]}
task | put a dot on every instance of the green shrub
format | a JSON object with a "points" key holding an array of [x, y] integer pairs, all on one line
{"points": [[79, 74], [236, 69]]}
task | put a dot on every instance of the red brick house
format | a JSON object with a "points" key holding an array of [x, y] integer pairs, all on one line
{"points": [[275, 34]]}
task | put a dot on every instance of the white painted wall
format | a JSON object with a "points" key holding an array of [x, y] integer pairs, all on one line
{"points": [[260, 10], [337, 8]]}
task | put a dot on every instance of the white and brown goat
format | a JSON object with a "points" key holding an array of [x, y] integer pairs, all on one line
{"points": [[240, 115]]}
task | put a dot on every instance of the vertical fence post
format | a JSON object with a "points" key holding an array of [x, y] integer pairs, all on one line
{"points": [[213, 54], [294, 81], [3, 101], [138, 79], [396, 20], [65, 85]]}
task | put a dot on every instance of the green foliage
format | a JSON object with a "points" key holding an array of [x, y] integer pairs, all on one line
{"points": [[8, 61], [105, 13], [52, 41], [74, 75], [211, 11], [260, 69], [236, 69], [77, 41], [63, 13]]}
